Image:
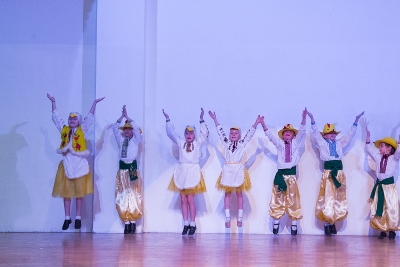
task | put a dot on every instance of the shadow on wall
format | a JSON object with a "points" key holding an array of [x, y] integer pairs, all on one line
{"points": [[12, 189]]}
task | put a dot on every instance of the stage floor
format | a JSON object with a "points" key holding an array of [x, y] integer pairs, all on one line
{"points": [[167, 249]]}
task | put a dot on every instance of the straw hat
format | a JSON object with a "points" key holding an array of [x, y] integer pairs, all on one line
{"points": [[287, 127], [387, 140], [329, 128]]}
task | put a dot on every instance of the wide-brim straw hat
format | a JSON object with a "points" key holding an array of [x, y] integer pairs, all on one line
{"points": [[287, 127], [329, 128], [387, 140], [127, 125]]}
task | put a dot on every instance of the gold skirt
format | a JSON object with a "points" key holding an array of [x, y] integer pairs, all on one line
{"points": [[71, 188], [128, 196], [287, 201], [390, 220], [200, 188], [331, 203], [244, 187]]}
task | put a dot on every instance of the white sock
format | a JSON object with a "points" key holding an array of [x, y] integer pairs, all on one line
{"points": [[67, 217], [78, 217], [294, 223], [133, 221], [192, 223], [240, 213], [186, 223], [327, 224], [227, 213], [276, 224], [127, 222]]}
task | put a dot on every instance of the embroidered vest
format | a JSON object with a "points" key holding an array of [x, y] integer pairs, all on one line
{"points": [[78, 141]]}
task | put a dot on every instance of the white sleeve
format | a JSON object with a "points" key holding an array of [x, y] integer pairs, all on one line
{"points": [[248, 136], [370, 151], [87, 121], [171, 132], [347, 138], [271, 137], [117, 133], [136, 132], [203, 133], [222, 134], [317, 135], [58, 122], [300, 135]]}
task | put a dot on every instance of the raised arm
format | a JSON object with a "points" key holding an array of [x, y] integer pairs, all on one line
{"points": [[53, 102], [203, 129], [93, 108], [368, 147], [358, 118], [397, 153], [302, 130], [268, 133], [170, 128], [250, 133], [317, 136], [214, 117]]}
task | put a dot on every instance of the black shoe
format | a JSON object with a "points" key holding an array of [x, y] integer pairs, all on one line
{"points": [[275, 231], [127, 229], [78, 224], [392, 235], [66, 224], [133, 228], [293, 230], [327, 230], [185, 229], [382, 235], [332, 229], [192, 230]]}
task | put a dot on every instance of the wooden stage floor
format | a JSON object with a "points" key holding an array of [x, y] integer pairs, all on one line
{"points": [[168, 249]]}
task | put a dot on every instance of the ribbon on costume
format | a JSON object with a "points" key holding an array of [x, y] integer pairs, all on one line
{"points": [[381, 194], [131, 167], [334, 166], [280, 181]]}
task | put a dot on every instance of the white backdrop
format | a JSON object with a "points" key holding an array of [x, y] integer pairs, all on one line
{"points": [[237, 58]]}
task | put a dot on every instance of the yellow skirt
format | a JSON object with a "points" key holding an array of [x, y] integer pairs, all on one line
{"points": [[71, 188], [200, 188], [390, 220], [244, 187], [332, 202]]}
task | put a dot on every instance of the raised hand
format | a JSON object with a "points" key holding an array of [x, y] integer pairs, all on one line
{"points": [[212, 115], [311, 116], [202, 114], [52, 99], [358, 117], [368, 136], [53, 102], [165, 115], [304, 116], [95, 103]]}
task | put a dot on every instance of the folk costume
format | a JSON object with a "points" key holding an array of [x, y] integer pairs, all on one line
{"points": [[73, 177], [385, 206], [287, 197], [234, 176], [331, 204], [187, 178], [128, 190]]}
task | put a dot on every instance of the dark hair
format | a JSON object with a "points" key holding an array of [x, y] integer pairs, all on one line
{"points": [[392, 150]]}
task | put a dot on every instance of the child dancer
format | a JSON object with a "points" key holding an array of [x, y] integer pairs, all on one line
{"points": [[187, 178], [384, 199], [331, 204], [128, 184], [285, 193], [73, 178], [234, 176]]}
